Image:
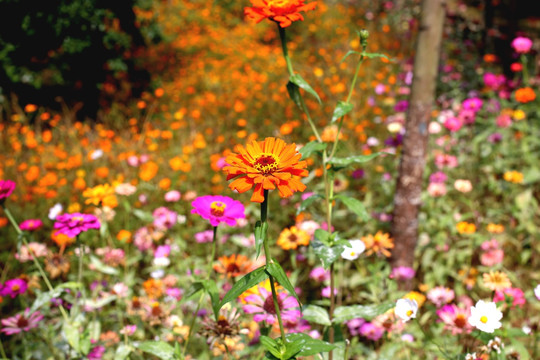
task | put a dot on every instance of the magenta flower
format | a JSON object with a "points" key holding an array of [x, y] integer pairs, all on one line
{"points": [[522, 45], [455, 318], [516, 295], [14, 287], [31, 224], [371, 331], [6, 188], [218, 209], [204, 236], [263, 307], [440, 295], [76, 223], [402, 273], [21, 322], [96, 353]]}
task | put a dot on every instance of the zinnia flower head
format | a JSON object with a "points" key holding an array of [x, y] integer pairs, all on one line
{"points": [[218, 209], [455, 319], [292, 238], [496, 280], [76, 223], [266, 165], [284, 12], [402, 273], [6, 188], [441, 295], [516, 295], [485, 316], [522, 45], [13, 288], [21, 322], [262, 305], [31, 224], [379, 244]]}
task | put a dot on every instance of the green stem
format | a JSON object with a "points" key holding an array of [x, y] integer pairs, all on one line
{"points": [[525, 70], [264, 216], [36, 262], [2, 351], [199, 303]]}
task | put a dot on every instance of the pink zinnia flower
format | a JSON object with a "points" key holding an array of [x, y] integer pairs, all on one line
{"points": [[6, 188], [371, 331], [319, 274], [26, 252], [515, 294], [440, 295], [455, 319], [473, 104], [522, 45], [402, 273], [164, 218], [31, 224], [218, 209], [453, 124], [436, 189], [172, 196], [204, 236], [76, 223], [14, 287], [21, 322], [263, 307]]}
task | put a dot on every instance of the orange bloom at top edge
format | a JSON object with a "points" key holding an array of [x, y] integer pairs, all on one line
{"points": [[266, 165], [283, 12]]}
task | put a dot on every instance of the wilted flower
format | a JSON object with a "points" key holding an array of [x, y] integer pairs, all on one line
{"points": [[485, 316], [26, 252]]}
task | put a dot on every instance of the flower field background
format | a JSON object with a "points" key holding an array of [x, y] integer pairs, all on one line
{"points": [[241, 208]]}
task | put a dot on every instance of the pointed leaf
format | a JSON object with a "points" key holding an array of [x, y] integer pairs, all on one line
{"points": [[350, 52], [311, 147], [160, 349], [310, 346], [143, 215], [212, 290], [245, 283], [355, 206], [122, 352], [342, 109], [316, 314], [326, 253], [277, 272], [293, 348], [298, 80], [367, 312], [358, 159], [261, 229], [72, 335], [376, 55], [270, 345], [101, 267], [294, 94], [323, 236], [192, 290]]}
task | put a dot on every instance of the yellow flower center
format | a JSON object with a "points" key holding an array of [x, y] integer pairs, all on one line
{"points": [[15, 287], [409, 313], [280, 3], [266, 164], [217, 208], [353, 253], [78, 218], [484, 319]]}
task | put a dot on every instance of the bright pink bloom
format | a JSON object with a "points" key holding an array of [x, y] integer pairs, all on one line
{"points": [[522, 45], [504, 121], [31, 224], [263, 307], [402, 273], [493, 81], [440, 295], [218, 209], [453, 124], [473, 104], [14, 287], [455, 319], [6, 188], [319, 274], [76, 223], [371, 331], [515, 294], [21, 322], [164, 218]]}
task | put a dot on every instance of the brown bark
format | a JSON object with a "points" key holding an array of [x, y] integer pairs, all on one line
{"points": [[411, 169]]}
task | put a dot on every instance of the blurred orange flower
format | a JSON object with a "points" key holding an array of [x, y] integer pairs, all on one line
{"points": [[266, 165], [292, 238], [379, 244], [148, 171], [464, 227], [525, 95], [234, 265], [101, 195], [284, 12]]}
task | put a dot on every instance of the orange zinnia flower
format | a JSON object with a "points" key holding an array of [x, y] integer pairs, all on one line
{"points": [[525, 95], [283, 12], [292, 238], [234, 265], [265, 165], [380, 243]]}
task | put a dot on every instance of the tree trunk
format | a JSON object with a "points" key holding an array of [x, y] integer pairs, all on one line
{"points": [[409, 183]]}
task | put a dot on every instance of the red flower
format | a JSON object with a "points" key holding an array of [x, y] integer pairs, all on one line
{"points": [[283, 12]]}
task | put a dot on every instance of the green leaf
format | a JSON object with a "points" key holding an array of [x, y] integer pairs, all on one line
{"points": [[101, 267], [160, 349], [519, 347], [350, 52], [310, 346], [342, 109], [99, 303], [293, 348], [276, 271], [245, 283], [261, 230], [298, 80], [44, 298], [316, 314], [213, 291], [192, 290], [355, 206], [294, 93], [326, 253], [376, 55], [311, 147], [323, 236], [358, 159], [306, 203], [143, 215], [367, 312], [122, 352], [72, 335], [271, 345]]}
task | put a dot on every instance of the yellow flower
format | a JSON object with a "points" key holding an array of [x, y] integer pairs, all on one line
{"points": [[518, 115], [415, 295], [513, 176], [292, 238], [101, 195], [495, 228], [464, 227], [496, 280]]}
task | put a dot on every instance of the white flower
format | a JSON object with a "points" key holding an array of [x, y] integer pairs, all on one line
{"points": [[471, 356], [406, 309], [161, 262], [353, 251], [55, 211], [485, 316], [96, 154], [537, 291]]}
